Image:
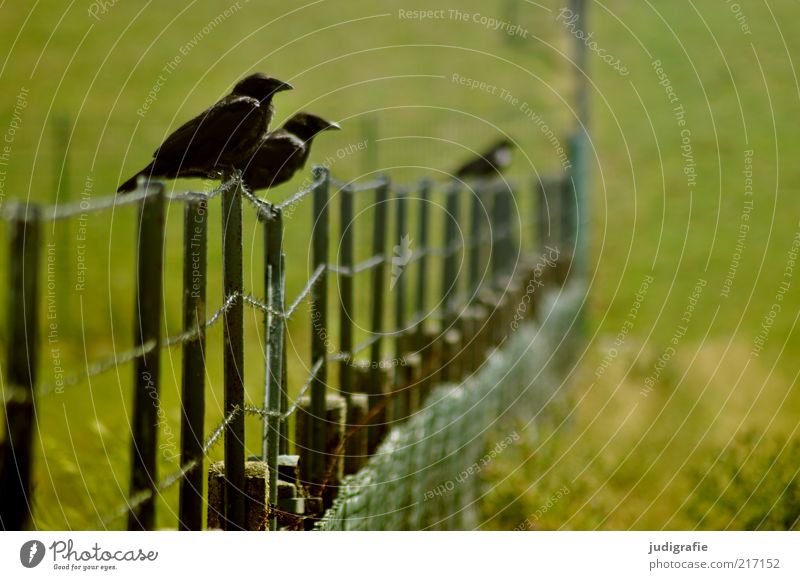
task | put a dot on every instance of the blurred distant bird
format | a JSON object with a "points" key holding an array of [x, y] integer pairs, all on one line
{"points": [[284, 151], [490, 163], [220, 139]]}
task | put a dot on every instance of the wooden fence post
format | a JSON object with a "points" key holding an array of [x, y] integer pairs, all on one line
{"points": [[193, 391], [376, 380], [233, 357], [146, 403], [275, 325], [317, 425], [23, 355]]}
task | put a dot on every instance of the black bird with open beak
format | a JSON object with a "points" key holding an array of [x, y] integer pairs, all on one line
{"points": [[284, 151], [490, 163], [221, 139]]}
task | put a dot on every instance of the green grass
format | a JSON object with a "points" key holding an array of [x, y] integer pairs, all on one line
{"points": [[362, 64]]}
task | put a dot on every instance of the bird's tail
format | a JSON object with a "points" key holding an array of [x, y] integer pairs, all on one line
{"points": [[130, 185]]}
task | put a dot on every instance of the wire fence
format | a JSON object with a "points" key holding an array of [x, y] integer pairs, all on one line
{"points": [[411, 401]]}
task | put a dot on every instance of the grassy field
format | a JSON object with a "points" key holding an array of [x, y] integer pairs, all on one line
{"points": [[668, 205]]}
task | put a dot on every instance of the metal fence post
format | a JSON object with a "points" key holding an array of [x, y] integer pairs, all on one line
{"points": [[273, 286], [193, 391], [23, 354], [449, 283], [149, 279], [376, 383], [283, 446], [233, 356], [317, 424]]}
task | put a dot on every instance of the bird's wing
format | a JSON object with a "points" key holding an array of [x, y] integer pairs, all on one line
{"points": [[278, 156], [219, 121]]}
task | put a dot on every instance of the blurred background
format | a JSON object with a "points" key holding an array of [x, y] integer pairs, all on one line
{"points": [[684, 410]]}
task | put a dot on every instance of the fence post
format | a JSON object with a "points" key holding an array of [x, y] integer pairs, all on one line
{"points": [[346, 289], [472, 342], [419, 315], [580, 148], [273, 287], [233, 356], [283, 447], [317, 424], [193, 405], [23, 355], [355, 408], [502, 243], [449, 283], [149, 277], [376, 382]]}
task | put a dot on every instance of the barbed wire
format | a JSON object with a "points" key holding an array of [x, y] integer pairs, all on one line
{"points": [[301, 194], [263, 412], [98, 368], [139, 498], [104, 365]]}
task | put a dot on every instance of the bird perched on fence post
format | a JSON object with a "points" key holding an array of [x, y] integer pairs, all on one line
{"points": [[220, 139], [284, 151], [490, 163]]}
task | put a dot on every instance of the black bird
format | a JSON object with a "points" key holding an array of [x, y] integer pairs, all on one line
{"points": [[284, 151], [220, 139], [490, 163]]}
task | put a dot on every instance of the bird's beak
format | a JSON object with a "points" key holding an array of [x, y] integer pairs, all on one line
{"points": [[284, 87], [332, 126]]}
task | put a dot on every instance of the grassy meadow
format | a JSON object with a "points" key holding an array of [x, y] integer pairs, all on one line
{"points": [[685, 152]]}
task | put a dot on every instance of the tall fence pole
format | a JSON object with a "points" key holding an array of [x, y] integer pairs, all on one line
{"points": [[580, 146], [273, 252], [449, 281], [376, 383], [503, 239], [318, 424], [400, 407], [23, 355], [283, 446], [233, 357], [422, 263], [146, 402], [476, 231], [193, 391], [346, 312]]}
